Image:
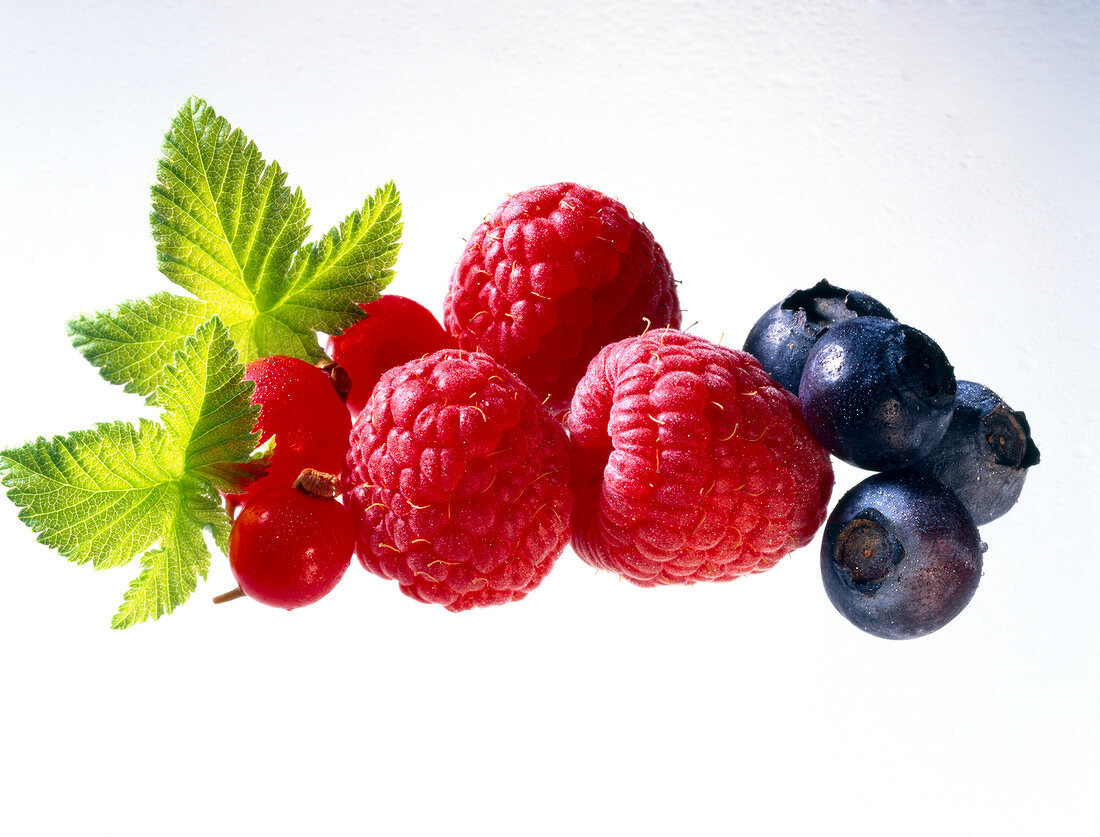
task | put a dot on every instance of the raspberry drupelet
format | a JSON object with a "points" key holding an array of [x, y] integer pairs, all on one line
{"points": [[458, 480], [553, 275], [690, 463]]}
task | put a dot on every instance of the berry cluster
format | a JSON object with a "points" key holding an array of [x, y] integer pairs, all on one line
{"points": [[901, 555], [292, 540], [562, 405]]}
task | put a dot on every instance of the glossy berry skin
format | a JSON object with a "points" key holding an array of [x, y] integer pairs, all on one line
{"points": [[876, 393], [783, 336], [550, 277], [393, 330], [301, 408], [900, 555], [690, 463], [985, 454], [289, 548]]}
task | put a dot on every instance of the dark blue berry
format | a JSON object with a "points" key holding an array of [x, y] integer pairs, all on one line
{"points": [[985, 454], [782, 338], [900, 556], [876, 393]]}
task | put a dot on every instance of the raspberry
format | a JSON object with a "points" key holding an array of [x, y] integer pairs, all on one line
{"points": [[394, 330], [691, 464], [552, 276], [458, 481]]}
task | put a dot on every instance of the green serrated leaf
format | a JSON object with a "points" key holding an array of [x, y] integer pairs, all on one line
{"points": [[208, 410], [170, 573], [206, 506], [107, 494], [268, 335], [95, 495], [229, 231], [350, 264], [225, 223], [131, 344]]}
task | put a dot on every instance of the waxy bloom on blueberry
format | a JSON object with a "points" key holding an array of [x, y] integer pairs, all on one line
{"points": [[985, 454], [876, 393], [900, 556], [783, 336]]}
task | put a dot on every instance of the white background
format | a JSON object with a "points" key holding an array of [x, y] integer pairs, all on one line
{"points": [[939, 156]]}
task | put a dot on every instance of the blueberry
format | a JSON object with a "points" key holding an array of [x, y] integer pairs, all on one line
{"points": [[900, 556], [782, 338], [985, 454], [876, 393]]}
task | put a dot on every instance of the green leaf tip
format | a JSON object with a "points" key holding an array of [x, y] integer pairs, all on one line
{"points": [[132, 343], [169, 574]]}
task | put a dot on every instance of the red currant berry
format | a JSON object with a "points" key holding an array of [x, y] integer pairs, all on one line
{"points": [[302, 409], [289, 547], [394, 331]]}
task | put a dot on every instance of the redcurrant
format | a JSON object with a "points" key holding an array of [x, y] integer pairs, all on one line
{"points": [[394, 331], [302, 409], [290, 546]]}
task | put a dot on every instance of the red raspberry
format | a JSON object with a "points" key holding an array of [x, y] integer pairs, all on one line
{"points": [[458, 481], [394, 330], [555, 274], [691, 464]]}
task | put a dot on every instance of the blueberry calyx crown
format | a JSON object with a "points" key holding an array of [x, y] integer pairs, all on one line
{"points": [[866, 549], [924, 368], [1008, 436], [783, 336], [825, 305]]}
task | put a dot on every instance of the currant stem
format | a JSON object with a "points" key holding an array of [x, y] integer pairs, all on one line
{"points": [[317, 483], [341, 380], [236, 593]]}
